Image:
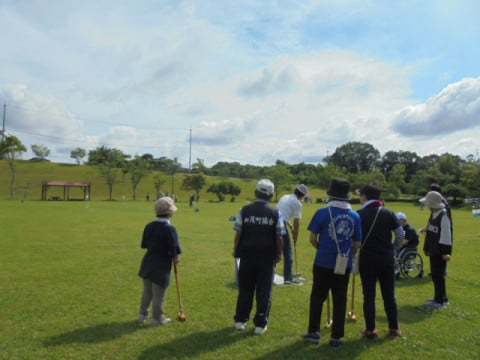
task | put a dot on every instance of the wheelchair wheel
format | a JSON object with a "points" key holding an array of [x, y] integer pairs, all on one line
{"points": [[411, 265]]}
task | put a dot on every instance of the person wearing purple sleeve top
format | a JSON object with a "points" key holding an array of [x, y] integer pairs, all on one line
{"points": [[161, 241], [258, 243], [377, 259], [336, 222]]}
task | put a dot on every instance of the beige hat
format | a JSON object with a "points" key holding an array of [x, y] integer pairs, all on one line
{"points": [[164, 206], [433, 200]]}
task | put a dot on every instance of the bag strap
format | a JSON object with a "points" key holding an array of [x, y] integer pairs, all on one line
{"points": [[371, 227], [334, 230]]}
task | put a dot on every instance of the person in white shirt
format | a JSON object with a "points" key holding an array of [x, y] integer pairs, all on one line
{"points": [[290, 207]]}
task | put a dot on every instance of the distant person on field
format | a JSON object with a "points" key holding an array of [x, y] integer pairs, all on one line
{"points": [[411, 236], [161, 241], [438, 246], [290, 207], [258, 242]]}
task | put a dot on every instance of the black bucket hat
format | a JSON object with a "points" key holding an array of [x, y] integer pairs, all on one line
{"points": [[339, 189]]}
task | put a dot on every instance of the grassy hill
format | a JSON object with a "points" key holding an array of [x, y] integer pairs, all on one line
{"points": [[30, 175]]}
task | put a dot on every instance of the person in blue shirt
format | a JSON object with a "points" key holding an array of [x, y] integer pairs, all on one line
{"points": [[333, 229]]}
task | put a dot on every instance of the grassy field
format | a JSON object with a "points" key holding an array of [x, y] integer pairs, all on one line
{"points": [[70, 290]]}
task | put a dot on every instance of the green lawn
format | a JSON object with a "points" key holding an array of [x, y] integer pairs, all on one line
{"points": [[70, 290]]}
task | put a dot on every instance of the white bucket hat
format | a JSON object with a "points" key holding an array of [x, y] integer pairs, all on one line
{"points": [[164, 206], [433, 200]]}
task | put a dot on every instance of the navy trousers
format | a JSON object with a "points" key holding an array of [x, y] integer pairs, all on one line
{"points": [[325, 280], [254, 278], [438, 267], [379, 268]]}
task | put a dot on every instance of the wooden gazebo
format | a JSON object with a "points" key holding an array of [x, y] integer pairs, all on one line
{"points": [[85, 187]]}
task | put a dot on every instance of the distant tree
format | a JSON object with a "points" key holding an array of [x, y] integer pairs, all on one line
{"points": [[158, 182], [303, 173], [138, 169], [397, 177], [11, 148], [454, 191], [453, 165], [357, 180], [280, 176], [199, 166], [104, 154], [423, 178], [110, 162], [471, 178], [410, 161], [149, 160], [78, 154], [40, 151], [224, 188], [172, 170], [355, 157], [162, 164], [194, 182]]}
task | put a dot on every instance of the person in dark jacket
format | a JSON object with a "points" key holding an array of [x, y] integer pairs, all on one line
{"points": [[437, 246], [411, 236], [258, 242], [161, 241], [377, 259]]}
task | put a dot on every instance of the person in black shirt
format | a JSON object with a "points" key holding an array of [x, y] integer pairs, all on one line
{"points": [[258, 243], [161, 241], [438, 246]]}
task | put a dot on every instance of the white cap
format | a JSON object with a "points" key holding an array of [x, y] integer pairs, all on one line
{"points": [[301, 189], [401, 216], [265, 186]]}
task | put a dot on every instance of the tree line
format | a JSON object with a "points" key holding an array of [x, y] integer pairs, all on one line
{"points": [[399, 173]]}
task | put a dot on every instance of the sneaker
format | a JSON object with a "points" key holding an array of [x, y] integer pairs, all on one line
{"points": [[372, 335], [142, 318], [335, 342], [445, 302], [313, 337], [292, 282], [162, 321], [240, 326], [260, 330], [433, 305], [394, 333]]}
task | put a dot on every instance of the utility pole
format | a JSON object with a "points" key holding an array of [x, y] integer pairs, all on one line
{"points": [[3, 127], [190, 156]]}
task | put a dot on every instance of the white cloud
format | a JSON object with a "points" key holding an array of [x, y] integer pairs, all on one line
{"points": [[255, 81], [455, 108]]}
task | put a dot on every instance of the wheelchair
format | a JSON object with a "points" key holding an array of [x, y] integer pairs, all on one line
{"points": [[409, 264]]}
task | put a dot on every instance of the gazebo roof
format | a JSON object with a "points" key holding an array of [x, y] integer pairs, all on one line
{"points": [[67, 183]]}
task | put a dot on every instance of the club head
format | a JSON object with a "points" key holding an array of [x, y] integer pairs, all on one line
{"points": [[329, 323], [352, 316], [182, 317]]}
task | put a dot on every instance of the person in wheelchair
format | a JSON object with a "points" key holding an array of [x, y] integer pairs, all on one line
{"points": [[408, 260], [411, 236]]}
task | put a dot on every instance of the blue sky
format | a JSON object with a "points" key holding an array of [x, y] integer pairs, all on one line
{"points": [[255, 81]]}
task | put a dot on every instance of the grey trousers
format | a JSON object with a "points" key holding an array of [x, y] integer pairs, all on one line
{"points": [[155, 294]]}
